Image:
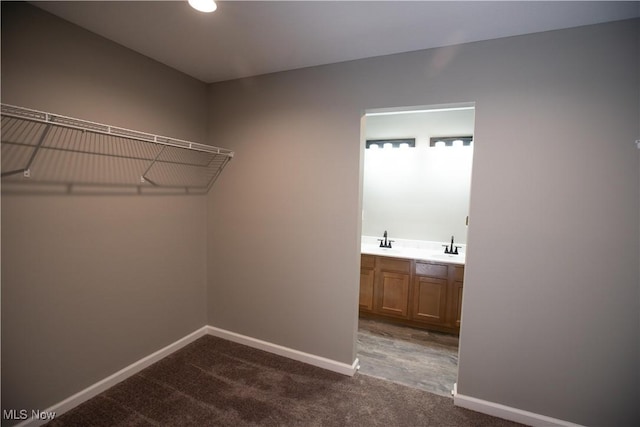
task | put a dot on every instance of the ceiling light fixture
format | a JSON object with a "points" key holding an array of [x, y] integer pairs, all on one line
{"points": [[391, 143], [451, 141], [203, 5]]}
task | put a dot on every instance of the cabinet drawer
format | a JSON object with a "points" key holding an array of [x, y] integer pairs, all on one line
{"points": [[459, 274], [394, 264], [431, 269], [367, 261]]}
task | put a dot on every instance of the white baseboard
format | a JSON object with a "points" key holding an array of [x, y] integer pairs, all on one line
{"points": [[311, 359], [507, 412], [102, 385]]}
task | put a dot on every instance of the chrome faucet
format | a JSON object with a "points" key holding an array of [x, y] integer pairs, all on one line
{"points": [[385, 243], [451, 250]]}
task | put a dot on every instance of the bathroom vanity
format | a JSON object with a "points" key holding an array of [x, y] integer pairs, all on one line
{"points": [[424, 291]]}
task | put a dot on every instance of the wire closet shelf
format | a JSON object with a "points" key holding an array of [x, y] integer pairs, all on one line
{"points": [[47, 148]]}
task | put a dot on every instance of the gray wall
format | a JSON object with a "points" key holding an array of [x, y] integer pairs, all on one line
{"points": [[91, 284], [552, 300], [551, 307]]}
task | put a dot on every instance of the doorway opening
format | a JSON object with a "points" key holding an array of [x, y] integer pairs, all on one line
{"points": [[416, 184]]}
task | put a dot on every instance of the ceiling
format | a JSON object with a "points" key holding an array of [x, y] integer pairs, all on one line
{"points": [[244, 38]]}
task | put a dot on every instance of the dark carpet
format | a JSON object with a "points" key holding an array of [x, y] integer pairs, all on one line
{"points": [[214, 382]]}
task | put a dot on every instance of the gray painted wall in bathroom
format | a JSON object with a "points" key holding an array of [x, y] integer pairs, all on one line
{"points": [[91, 284], [419, 193], [551, 307]]}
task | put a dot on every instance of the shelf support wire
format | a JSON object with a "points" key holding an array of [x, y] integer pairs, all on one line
{"points": [[144, 178], [219, 171]]}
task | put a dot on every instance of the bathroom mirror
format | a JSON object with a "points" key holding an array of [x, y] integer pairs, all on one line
{"points": [[421, 192]]}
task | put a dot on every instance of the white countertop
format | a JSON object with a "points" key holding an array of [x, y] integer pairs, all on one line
{"points": [[426, 252]]}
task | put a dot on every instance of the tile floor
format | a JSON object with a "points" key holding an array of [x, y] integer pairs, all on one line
{"points": [[417, 358]]}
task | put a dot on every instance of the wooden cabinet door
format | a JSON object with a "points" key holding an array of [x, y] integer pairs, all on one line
{"points": [[430, 300], [456, 296], [366, 289], [457, 303], [394, 294]]}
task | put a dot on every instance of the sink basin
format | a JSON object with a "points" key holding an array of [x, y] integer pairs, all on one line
{"points": [[388, 249], [378, 248], [439, 255], [447, 257]]}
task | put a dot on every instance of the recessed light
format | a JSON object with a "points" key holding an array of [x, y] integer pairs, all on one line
{"points": [[203, 5]]}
